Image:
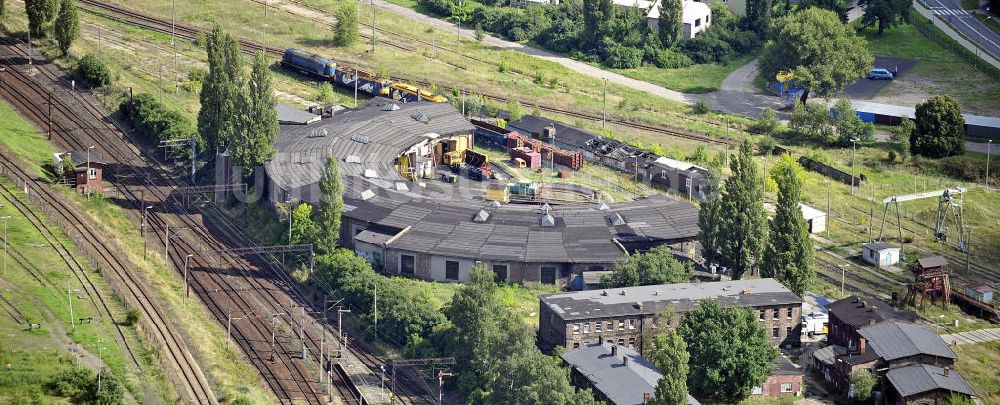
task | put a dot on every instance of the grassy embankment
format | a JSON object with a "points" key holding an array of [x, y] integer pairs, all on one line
{"points": [[979, 364], [573, 89], [35, 285], [232, 376]]}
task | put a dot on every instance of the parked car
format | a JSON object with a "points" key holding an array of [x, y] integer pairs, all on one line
{"points": [[879, 74]]}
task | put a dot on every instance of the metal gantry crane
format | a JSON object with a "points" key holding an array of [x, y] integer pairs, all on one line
{"points": [[950, 201]]}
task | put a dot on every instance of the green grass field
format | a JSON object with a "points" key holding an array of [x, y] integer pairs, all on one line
{"points": [[698, 79], [979, 364]]}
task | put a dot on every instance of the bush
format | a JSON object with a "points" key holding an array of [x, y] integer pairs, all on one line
{"points": [[812, 120], [767, 122], [623, 57], [132, 317], [75, 383], [700, 108], [706, 48], [671, 59], [93, 71], [156, 122], [766, 145]]}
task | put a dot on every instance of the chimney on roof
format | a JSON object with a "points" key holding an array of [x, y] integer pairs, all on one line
{"points": [[857, 299], [946, 370], [604, 293], [862, 345], [645, 398], [622, 293], [871, 322], [600, 340], [625, 360], [864, 304], [746, 291], [614, 350]]}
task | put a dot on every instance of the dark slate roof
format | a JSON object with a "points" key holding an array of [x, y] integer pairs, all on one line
{"points": [[878, 246], [303, 149], [621, 384], [513, 232], [828, 355], [896, 340], [294, 116], [862, 311], [920, 378], [80, 157], [654, 299], [784, 366], [933, 261]]}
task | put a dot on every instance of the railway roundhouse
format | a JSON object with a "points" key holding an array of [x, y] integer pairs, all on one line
{"points": [[404, 221]]}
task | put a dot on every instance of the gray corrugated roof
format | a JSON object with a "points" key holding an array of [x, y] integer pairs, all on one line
{"points": [[919, 378], [878, 246], [653, 299], [862, 311], [291, 115], [933, 261], [301, 152], [621, 384], [828, 355], [896, 340]]}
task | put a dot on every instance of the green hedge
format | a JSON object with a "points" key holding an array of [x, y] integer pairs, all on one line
{"points": [[93, 71]]}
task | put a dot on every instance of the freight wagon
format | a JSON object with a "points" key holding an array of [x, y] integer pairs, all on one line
{"points": [[366, 83], [318, 66]]}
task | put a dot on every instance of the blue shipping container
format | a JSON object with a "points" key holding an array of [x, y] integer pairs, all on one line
{"points": [[866, 116]]}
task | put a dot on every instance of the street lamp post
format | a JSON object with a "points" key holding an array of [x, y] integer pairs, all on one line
{"points": [[101, 354], [69, 297], [843, 276], [88, 169]]}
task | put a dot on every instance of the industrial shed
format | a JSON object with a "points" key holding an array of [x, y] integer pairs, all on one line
{"points": [[887, 114]]}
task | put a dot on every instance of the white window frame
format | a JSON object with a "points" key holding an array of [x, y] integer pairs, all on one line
{"points": [[787, 384], [576, 328], [92, 174], [586, 327]]}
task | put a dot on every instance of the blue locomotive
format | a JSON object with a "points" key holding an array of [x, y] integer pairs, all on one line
{"points": [[318, 66]]}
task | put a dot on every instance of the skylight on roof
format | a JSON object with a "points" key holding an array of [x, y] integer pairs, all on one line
{"points": [[360, 138], [616, 219], [371, 174], [367, 194], [318, 133], [548, 220], [419, 116], [481, 216], [352, 159]]}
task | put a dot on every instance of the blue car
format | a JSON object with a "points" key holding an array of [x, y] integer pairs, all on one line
{"points": [[879, 74]]}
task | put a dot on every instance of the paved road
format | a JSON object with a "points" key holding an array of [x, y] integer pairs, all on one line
{"points": [[973, 29], [971, 337]]}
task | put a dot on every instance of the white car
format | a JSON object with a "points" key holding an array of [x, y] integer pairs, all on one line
{"points": [[816, 323]]}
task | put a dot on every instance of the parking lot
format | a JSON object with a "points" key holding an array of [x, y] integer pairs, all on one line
{"points": [[865, 89]]}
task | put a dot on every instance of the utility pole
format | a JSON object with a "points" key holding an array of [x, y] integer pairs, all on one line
{"points": [[373, 25], [843, 277], [187, 287], [375, 309], [273, 326], [88, 168], [829, 213], [173, 38], [69, 297], [356, 83], [989, 143], [340, 329], [441, 376], [604, 119], [5, 244], [854, 144], [142, 229], [99, 371]]}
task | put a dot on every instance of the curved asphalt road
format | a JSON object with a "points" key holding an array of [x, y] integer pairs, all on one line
{"points": [[973, 29]]}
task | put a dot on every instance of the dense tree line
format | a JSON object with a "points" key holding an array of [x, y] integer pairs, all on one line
{"points": [[156, 122], [600, 31], [237, 111], [657, 266]]}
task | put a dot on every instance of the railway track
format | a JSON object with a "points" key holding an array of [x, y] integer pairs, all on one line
{"points": [[93, 294], [294, 375], [266, 301], [250, 48], [175, 350]]}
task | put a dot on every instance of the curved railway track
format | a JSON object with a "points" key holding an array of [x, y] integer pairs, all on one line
{"points": [[250, 47], [266, 301], [97, 299], [25, 95]]}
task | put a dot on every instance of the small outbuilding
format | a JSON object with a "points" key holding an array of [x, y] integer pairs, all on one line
{"points": [[880, 254], [88, 169], [814, 217], [918, 384], [980, 292]]}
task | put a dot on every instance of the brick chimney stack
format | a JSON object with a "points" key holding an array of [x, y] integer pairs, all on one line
{"points": [[614, 350], [645, 398], [862, 345], [946, 370]]}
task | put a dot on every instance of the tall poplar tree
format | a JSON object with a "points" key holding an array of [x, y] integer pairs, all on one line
{"points": [[709, 220], [671, 357], [789, 253], [597, 18], [259, 119], [40, 13], [67, 27], [671, 22], [743, 229], [758, 15], [331, 204], [220, 91]]}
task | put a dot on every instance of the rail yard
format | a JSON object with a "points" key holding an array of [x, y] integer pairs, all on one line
{"points": [[431, 243]]}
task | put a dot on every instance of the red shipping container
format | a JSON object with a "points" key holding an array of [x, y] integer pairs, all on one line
{"points": [[531, 159]]}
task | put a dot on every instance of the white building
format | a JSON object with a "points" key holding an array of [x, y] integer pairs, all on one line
{"points": [[814, 217], [880, 254], [697, 17]]}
